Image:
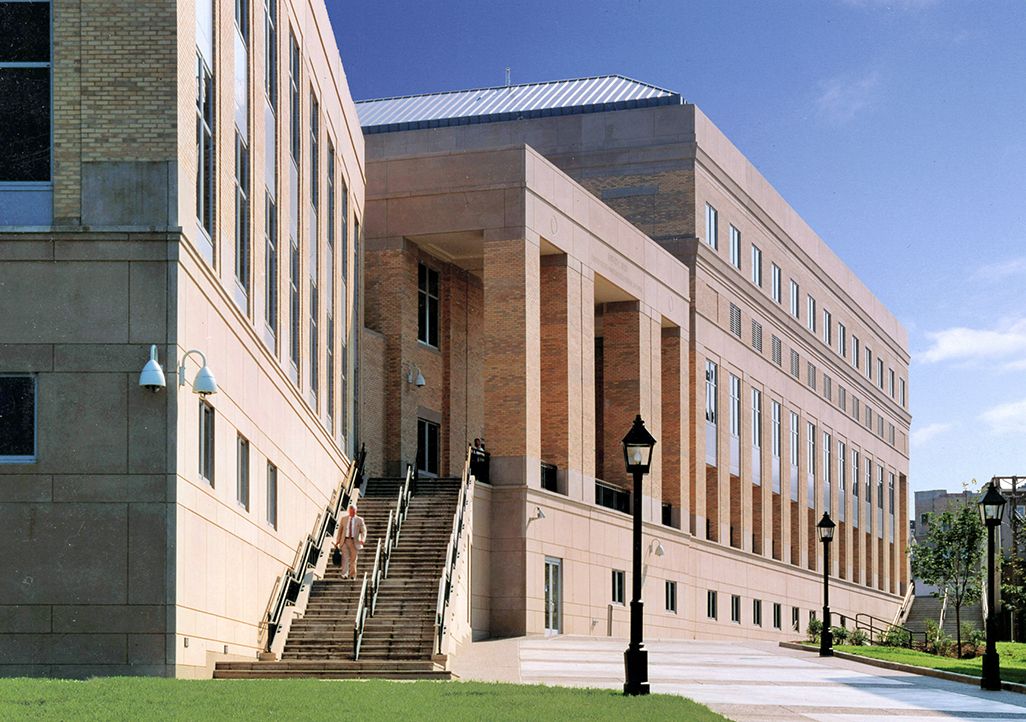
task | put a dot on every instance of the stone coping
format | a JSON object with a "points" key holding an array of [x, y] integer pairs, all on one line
{"points": [[911, 669]]}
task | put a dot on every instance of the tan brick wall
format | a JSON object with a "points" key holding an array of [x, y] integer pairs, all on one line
{"points": [[662, 208], [675, 397]]}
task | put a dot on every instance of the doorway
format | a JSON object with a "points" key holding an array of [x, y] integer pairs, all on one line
{"points": [[553, 595]]}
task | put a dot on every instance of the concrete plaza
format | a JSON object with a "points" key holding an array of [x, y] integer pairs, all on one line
{"points": [[745, 681]]}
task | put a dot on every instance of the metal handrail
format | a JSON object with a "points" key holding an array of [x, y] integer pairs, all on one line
{"points": [[375, 579], [452, 554], [361, 620], [884, 627]]}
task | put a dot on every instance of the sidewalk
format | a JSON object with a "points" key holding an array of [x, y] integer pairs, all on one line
{"points": [[745, 681]]}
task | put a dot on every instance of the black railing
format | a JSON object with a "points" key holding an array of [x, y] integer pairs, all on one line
{"points": [[452, 553], [878, 629]]}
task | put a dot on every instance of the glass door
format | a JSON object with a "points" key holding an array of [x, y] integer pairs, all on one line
{"points": [[553, 595]]}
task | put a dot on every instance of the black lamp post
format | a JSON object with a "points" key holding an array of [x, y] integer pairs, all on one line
{"points": [[637, 454], [826, 535], [992, 507]]}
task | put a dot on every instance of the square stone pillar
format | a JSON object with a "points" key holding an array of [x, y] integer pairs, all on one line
{"points": [[632, 385], [568, 372], [675, 433]]}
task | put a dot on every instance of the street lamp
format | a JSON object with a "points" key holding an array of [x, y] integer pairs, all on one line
{"points": [[826, 535], [637, 454], [992, 508]]}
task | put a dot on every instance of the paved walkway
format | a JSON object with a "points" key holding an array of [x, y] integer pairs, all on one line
{"points": [[746, 681]]}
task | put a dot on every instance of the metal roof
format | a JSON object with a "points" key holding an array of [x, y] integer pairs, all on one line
{"points": [[510, 102]]}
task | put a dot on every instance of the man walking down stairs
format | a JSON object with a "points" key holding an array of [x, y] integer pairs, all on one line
{"points": [[398, 639]]}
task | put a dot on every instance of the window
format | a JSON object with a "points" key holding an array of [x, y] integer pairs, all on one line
{"points": [[242, 18], [855, 351], [842, 400], [794, 300], [427, 329], [710, 227], [890, 434], [757, 336], [271, 53], [880, 373], [842, 474], [756, 266], [735, 320], [756, 418], [890, 492], [794, 618], [315, 350], [241, 212], [776, 346], [901, 391], [294, 126], [735, 608], [206, 442], [344, 232], [811, 377], [890, 382], [612, 497], [757, 612], [795, 368], [17, 419], [869, 418], [618, 587], [828, 468], [314, 155], [735, 248], [879, 425], [775, 428], [869, 363], [204, 148], [828, 328], [842, 341], [776, 615], [671, 597], [329, 346], [710, 392], [826, 388], [242, 472], [271, 264], [811, 319], [810, 458], [710, 604], [775, 282], [879, 486], [794, 441], [854, 408], [735, 405], [294, 302], [272, 495], [924, 521], [427, 447]]}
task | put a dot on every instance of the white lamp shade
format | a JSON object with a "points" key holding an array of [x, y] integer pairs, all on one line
{"points": [[152, 375], [205, 383]]}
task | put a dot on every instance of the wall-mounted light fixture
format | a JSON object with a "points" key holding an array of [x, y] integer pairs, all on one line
{"points": [[152, 376], [204, 384], [657, 547], [417, 380]]}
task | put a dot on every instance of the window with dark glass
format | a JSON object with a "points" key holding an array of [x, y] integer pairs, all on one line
{"points": [[671, 597], [271, 264], [204, 147], [271, 53], [428, 306], [206, 442], [242, 18], [618, 587], [294, 128], [294, 302], [427, 446], [25, 105], [17, 419], [241, 212], [710, 604], [242, 472], [272, 495]]}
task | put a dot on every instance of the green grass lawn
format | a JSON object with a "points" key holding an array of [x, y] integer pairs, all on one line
{"points": [[143, 699], [1012, 656]]}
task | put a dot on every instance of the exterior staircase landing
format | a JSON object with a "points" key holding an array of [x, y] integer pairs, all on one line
{"points": [[398, 640]]}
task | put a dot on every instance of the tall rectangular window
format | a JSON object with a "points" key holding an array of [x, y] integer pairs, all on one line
{"points": [[271, 264], [890, 382], [242, 472], [810, 375], [294, 302], [671, 597], [776, 615], [880, 373], [242, 18], [757, 266], [314, 155], [828, 469], [206, 441], [901, 388], [890, 492], [811, 320], [756, 335], [710, 604], [795, 448], [329, 346], [854, 408], [810, 458], [272, 495], [795, 364], [757, 612], [25, 94], [295, 131], [735, 406], [271, 52], [869, 363], [618, 595], [17, 419], [315, 349], [855, 351], [735, 320], [775, 428], [828, 328], [428, 306], [343, 214], [205, 155], [776, 350], [842, 341], [427, 446], [735, 248], [710, 392], [735, 608], [241, 212], [795, 309], [757, 418], [711, 222], [775, 282], [842, 474]]}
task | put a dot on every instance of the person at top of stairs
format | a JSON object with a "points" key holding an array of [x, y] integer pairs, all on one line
{"points": [[352, 534]]}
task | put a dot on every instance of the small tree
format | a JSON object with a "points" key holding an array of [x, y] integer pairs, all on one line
{"points": [[950, 558]]}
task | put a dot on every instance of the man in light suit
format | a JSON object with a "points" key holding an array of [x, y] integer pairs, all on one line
{"points": [[352, 534]]}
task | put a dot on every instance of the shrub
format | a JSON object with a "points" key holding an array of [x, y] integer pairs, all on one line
{"points": [[857, 637], [937, 640], [896, 637], [814, 629], [975, 637], [840, 634]]}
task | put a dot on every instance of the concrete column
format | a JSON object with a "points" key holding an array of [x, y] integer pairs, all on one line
{"points": [[632, 360], [697, 430], [675, 456]]}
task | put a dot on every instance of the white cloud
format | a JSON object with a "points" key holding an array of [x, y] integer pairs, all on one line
{"points": [[1000, 271], [927, 433], [843, 96], [1006, 418], [964, 344]]}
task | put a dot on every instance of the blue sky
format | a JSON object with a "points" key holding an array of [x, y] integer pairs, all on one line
{"points": [[894, 128]]}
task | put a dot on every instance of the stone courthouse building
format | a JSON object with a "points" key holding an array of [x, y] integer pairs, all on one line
{"points": [[557, 258], [550, 259]]}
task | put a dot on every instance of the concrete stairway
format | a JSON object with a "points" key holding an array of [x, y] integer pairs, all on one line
{"points": [[924, 608], [397, 640]]}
